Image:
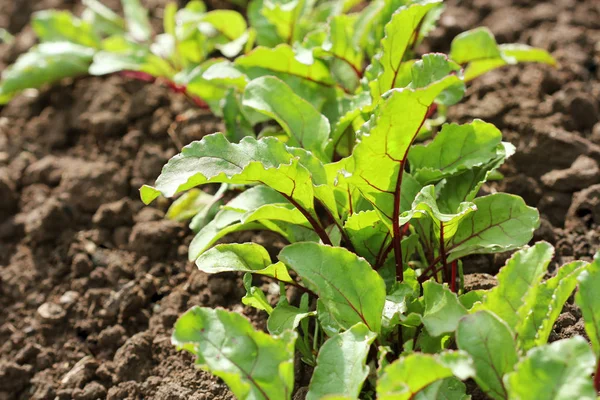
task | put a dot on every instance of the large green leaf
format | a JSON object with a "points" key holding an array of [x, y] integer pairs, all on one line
{"points": [[341, 368], [62, 26], [44, 64], [551, 296], [136, 17], [407, 376], [253, 364], [490, 343], [346, 284], [558, 371], [378, 159], [588, 300], [502, 222], [455, 149], [399, 35], [242, 257], [516, 293], [214, 159], [443, 311], [306, 127]]}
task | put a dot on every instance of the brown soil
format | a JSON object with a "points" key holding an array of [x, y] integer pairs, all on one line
{"points": [[91, 281]]}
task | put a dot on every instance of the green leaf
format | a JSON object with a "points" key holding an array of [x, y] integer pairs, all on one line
{"points": [[107, 62], [242, 257], [502, 222], [551, 296], [286, 317], [465, 186], [214, 159], [447, 389], [281, 60], [455, 149], [442, 309], [313, 81], [211, 81], [253, 364], [399, 34], [346, 285], [266, 31], [189, 205], [229, 219], [62, 26], [137, 20], [368, 233], [407, 376], [511, 54], [558, 371], [518, 281], [472, 298], [476, 44], [378, 159], [341, 368], [103, 19], [236, 124], [228, 23], [396, 304], [276, 211], [306, 127], [478, 49], [588, 300], [433, 67], [282, 16], [340, 42], [44, 64], [425, 205], [255, 297], [490, 342]]}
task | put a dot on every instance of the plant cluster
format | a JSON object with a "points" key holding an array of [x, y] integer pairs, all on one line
{"points": [[325, 105]]}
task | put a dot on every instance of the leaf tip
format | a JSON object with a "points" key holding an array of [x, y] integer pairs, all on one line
{"points": [[148, 194]]}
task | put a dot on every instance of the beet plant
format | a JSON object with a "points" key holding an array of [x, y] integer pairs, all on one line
{"points": [[377, 226]]}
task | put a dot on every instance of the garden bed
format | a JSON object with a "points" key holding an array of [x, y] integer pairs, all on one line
{"points": [[91, 281]]}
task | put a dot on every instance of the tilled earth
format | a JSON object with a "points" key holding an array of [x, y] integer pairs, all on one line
{"points": [[91, 281]]}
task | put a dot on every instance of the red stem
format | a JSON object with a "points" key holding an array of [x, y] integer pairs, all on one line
{"points": [[175, 87], [443, 253], [597, 376], [396, 240], [313, 222], [453, 283]]}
